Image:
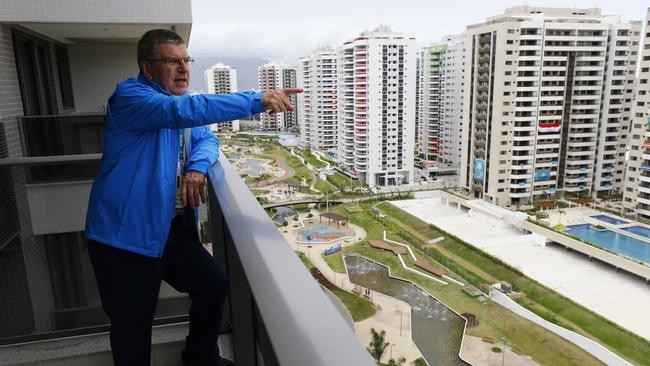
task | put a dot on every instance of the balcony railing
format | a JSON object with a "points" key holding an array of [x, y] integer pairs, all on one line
{"points": [[57, 135], [276, 306], [278, 313]]}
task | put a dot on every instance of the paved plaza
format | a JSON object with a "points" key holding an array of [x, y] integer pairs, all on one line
{"points": [[616, 296]]}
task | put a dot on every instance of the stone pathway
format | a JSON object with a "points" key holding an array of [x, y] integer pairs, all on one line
{"points": [[288, 172]]}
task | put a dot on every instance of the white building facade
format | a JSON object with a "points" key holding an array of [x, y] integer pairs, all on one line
{"points": [[440, 109], [636, 197], [538, 119], [317, 76], [278, 75], [376, 100], [221, 79]]}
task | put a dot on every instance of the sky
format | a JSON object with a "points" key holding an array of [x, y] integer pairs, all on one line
{"points": [[286, 30]]}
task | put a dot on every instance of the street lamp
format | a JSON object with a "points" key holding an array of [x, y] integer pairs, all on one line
{"points": [[327, 202], [400, 322], [503, 353]]}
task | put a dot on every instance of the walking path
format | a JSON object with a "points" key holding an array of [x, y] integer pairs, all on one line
{"points": [[288, 172]]}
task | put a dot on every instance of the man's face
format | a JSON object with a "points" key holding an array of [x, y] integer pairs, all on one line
{"points": [[173, 78]]}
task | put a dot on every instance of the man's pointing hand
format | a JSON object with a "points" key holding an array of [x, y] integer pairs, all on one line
{"points": [[277, 101]]}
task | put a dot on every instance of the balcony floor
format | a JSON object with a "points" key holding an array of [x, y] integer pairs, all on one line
{"points": [[93, 349]]}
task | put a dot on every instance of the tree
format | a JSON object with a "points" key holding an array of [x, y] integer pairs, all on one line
{"points": [[378, 344], [399, 362]]}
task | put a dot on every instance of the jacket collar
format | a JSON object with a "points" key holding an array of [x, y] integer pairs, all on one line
{"points": [[144, 80]]}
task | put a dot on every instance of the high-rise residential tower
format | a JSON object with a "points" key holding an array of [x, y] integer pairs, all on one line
{"points": [[221, 79], [376, 99], [440, 111], [636, 197], [277, 75], [547, 102], [318, 102]]}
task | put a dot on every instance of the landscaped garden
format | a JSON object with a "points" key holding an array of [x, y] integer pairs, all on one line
{"points": [[539, 299], [481, 270]]}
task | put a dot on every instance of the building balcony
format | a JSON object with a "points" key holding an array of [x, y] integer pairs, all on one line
{"points": [[270, 320]]}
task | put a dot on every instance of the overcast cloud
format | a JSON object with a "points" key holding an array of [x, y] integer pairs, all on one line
{"points": [[289, 29], [286, 30]]}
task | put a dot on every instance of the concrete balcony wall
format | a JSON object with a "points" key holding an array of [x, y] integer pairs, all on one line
{"points": [[96, 68], [58, 207], [97, 11]]}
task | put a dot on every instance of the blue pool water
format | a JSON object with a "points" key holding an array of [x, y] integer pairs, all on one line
{"points": [[320, 234], [638, 230], [611, 220], [618, 243]]}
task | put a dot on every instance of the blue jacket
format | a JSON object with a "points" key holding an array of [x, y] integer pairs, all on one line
{"points": [[132, 198]]}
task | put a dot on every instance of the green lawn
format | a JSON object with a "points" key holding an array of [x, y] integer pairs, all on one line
{"points": [[543, 301], [544, 346], [359, 308], [301, 171], [324, 186], [311, 159], [342, 181]]}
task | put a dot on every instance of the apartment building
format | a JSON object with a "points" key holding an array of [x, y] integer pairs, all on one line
{"points": [[60, 62], [278, 75], [376, 99], [431, 103], [636, 197], [221, 79], [440, 107], [317, 76], [548, 93]]}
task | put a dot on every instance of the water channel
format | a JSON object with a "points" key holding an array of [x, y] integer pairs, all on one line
{"points": [[436, 330], [282, 213]]}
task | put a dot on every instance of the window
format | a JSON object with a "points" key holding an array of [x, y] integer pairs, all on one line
{"points": [[65, 83]]}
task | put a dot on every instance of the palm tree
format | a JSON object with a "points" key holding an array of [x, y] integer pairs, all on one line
{"points": [[378, 344], [399, 362]]}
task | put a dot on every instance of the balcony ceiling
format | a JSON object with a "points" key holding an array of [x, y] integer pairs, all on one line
{"points": [[71, 33]]}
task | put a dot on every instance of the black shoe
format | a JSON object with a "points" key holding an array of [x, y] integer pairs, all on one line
{"points": [[217, 361], [225, 362]]}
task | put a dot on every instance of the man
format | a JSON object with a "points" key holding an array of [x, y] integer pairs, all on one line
{"points": [[155, 136]]}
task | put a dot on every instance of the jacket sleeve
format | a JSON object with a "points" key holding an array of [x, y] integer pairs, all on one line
{"points": [[139, 108], [205, 150]]}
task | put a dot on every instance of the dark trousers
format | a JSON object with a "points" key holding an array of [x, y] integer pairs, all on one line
{"points": [[129, 284]]}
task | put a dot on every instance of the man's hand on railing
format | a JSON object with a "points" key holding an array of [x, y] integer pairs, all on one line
{"points": [[193, 189], [277, 101]]}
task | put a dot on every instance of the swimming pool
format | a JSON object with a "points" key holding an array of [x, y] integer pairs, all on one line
{"points": [[320, 234], [638, 230], [609, 219], [618, 243]]}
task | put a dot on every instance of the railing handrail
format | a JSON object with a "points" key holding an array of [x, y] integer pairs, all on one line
{"points": [[303, 326], [49, 160], [64, 115]]}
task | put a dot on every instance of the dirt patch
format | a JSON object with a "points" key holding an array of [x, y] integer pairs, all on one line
{"points": [[471, 320], [581, 201], [322, 280], [544, 204]]}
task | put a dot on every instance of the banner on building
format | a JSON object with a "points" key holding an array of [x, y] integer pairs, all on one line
{"points": [[479, 169], [542, 175]]}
